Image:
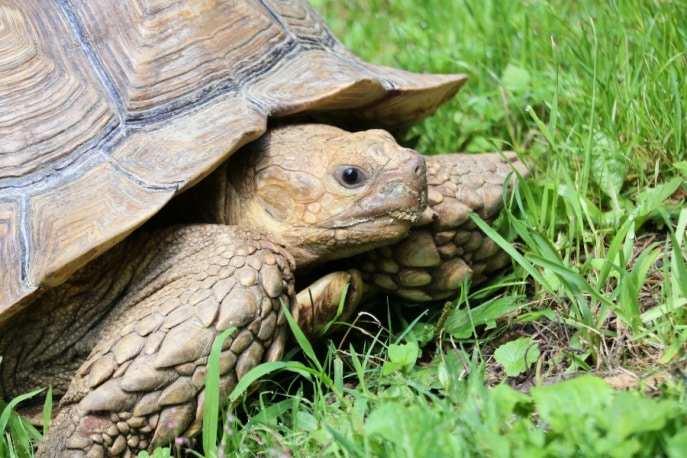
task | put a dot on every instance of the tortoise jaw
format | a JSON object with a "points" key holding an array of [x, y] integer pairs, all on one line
{"points": [[410, 214], [400, 195], [413, 214], [403, 214]]}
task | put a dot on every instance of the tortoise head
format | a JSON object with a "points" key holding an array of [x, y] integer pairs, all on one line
{"points": [[324, 193]]}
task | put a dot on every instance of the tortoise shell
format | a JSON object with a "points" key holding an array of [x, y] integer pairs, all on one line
{"points": [[108, 109]]}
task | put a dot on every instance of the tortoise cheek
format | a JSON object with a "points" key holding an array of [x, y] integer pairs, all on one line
{"points": [[277, 204]]}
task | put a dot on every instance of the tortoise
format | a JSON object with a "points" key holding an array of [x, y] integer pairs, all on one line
{"points": [[107, 113]]}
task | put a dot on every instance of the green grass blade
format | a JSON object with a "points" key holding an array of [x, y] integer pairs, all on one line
{"points": [[211, 407], [303, 341], [18, 434], [47, 410], [510, 250], [262, 370]]}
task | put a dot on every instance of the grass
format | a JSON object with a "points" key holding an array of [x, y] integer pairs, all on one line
{"points": [[593, 96]]}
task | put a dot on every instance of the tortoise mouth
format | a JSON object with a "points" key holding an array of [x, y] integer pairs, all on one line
{"points": [[406, 215], [402, 215], [344, 239]]}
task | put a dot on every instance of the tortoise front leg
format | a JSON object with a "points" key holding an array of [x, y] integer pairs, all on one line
{"points": [[445, 245], [143, 384]]}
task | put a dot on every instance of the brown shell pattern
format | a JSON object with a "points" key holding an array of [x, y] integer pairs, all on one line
{"points": [[110, 108]]}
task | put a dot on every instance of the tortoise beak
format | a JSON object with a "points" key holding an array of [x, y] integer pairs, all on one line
{"points": [[411, 189]]}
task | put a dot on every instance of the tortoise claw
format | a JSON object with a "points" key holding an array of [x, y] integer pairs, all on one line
{"points": [[334, 296]]}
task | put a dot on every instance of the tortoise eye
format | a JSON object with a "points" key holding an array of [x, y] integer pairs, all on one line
{"points": [[350, 176]]}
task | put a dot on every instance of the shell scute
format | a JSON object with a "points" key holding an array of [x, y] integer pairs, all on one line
{"points": [[108, 109]]}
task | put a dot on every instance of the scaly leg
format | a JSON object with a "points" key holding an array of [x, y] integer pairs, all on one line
{"points": [[445, 245], [143, 383]]}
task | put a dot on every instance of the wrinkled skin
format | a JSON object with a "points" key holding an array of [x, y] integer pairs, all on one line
{"points": [[125, 341]]}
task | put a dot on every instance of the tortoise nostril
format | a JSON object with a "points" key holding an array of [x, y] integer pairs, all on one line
{"points": [[418, 161], [420, 168]]}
